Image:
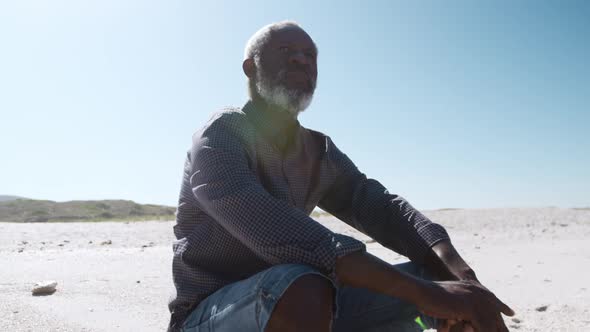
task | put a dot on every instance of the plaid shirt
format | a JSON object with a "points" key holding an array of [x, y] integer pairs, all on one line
{"points": [[250, 182]]}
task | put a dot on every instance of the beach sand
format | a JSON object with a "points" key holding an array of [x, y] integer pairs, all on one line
{"points": [[535, 260]]}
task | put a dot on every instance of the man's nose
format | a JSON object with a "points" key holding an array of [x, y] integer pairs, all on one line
{"points": [[298, 58]]}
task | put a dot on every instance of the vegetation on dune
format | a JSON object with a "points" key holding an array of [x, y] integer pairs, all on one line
{"points": [[9, 198], [29, 210]]}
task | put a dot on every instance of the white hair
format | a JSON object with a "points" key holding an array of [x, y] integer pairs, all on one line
{"points": [[260, 38]]}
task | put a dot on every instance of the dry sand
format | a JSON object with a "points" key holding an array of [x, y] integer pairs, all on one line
{"points": [[531, 258]]}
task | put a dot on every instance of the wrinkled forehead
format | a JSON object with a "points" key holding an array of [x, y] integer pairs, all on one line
{"points": [[291, 35]]}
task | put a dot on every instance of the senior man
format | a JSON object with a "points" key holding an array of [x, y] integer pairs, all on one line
{"points": [[248, 257]]}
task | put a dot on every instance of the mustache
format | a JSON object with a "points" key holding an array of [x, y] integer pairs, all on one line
{"points": [[282, 75], [296, 68]]}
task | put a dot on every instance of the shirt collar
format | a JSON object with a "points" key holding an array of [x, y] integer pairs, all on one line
{"points": [[279, 127]]}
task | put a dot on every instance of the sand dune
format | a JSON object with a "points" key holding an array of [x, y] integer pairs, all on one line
{"points": [[536, 260]]}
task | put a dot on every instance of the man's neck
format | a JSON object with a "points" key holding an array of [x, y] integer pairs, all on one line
{"points": [[262, 105], [278, 125]]}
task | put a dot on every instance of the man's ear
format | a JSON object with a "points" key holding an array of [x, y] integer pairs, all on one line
{"points": [[249, 68]]}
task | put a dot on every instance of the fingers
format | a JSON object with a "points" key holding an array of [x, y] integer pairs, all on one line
{"points": [[462, 327], [487, 323], [495, 303], [483, 328], [468, 327], [506, 310], [500, 324], [502, 307], [485, 312], [443, 326], [485, 317], [452, 325]]}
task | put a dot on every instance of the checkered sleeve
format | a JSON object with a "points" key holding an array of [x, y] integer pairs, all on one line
{"points": [[389, 219], [227, 189]]}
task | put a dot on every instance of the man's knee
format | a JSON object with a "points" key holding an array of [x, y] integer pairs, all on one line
{"points": [[306, 305], [313, 289], [308, 293]]}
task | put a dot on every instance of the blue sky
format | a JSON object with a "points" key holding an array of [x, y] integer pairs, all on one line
{"points": [[455, 104]]}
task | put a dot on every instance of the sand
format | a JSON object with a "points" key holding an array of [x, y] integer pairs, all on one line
{"points": [[531, 258]]}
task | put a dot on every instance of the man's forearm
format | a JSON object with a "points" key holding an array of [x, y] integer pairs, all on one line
{"points": [[444, 261], [455, 300], [363, 270]]}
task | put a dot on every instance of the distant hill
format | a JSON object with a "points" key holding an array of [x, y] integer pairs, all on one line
{"points": [[29, 210], [4, 198]]}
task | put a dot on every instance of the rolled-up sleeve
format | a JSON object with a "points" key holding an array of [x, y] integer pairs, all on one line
{"points": [[228, 190], [389, 219]]}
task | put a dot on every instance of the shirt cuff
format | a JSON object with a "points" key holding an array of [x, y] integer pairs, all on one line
{"points": [[431, 234]]}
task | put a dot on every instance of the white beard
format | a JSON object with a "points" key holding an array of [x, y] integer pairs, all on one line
{"points": [[276, 94]]}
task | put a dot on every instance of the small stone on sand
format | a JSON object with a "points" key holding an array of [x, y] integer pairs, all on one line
{"points": [[542, 308], [107, 242], [44, 287]]}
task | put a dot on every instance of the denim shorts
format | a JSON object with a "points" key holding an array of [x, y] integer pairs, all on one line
{"points": [[247, 305]]}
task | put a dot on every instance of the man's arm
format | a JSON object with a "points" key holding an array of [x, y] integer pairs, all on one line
{"points": [[366, 205], [454, 300]]}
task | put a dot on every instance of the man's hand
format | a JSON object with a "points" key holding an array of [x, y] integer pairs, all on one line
{"points": [[451, 325], [445, 262], [465, 301]]}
